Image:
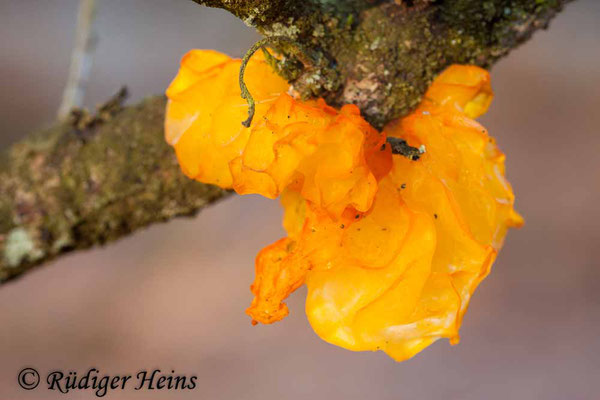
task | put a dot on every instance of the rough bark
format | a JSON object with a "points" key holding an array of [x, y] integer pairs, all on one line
{"points": [[382, 55], [81, 184], [94, 180]]}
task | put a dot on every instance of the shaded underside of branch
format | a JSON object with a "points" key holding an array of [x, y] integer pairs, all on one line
{"points": [[68, 188], [86, 183], [382, 54]]}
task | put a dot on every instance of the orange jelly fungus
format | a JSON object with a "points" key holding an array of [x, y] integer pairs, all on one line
{"points": [[391, 249]]}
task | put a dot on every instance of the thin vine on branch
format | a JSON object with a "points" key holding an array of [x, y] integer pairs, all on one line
{"points": [[78, 185]]}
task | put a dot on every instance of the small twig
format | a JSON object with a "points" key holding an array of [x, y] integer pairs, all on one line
{"points": [[81, 59], [301, 54], [400, 146], [82, 120]]}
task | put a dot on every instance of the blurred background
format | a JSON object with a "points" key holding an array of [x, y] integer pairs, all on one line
{"points": [[173, 296]]}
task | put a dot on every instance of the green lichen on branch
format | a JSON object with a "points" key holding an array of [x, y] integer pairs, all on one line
{"points": [[72, 187], [382, 55], [93, 181]]}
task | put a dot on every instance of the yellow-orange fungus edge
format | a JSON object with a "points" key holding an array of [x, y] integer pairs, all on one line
{"points": [[391, 250]]}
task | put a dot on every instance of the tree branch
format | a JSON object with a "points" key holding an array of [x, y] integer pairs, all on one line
{"points": [[381, 54], [82, 56], [88, 182], [96, 179]]}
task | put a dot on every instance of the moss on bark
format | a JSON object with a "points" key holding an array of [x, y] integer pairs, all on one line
{"points": [[65, 189], [74, 186], [382, 55]]}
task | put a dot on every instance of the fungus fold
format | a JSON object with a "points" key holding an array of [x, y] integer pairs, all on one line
{"points": [[391, 249]]}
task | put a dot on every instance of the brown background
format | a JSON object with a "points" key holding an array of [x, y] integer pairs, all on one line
{"points": [[173, 296]]}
